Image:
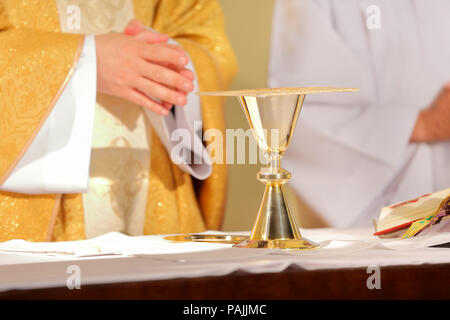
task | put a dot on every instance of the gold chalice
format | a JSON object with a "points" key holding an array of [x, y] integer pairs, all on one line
{"points": [[272, 114]]}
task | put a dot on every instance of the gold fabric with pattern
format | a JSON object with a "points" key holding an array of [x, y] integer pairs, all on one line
{"points": [[35, 63]]}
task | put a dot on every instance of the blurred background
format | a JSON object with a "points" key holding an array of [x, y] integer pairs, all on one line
{"points": [[251, 46], [249, 30]]}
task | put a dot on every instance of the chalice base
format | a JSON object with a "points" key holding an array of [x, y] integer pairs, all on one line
{"points": [[275, 226], [285, 244]]}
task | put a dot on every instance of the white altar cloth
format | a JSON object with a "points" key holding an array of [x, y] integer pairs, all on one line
{"points": [[118, 258]]}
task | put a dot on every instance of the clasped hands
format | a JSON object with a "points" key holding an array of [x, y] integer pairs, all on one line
{"points": [[140, 66]]}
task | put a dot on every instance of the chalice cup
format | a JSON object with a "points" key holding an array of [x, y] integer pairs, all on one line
{"points": [[272, 114]]}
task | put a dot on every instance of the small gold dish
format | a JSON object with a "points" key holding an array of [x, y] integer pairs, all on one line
{"points": [[212, 238]]}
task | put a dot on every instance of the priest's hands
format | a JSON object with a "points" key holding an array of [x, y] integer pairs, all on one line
{"points": [[433, 123], [141, 67]]}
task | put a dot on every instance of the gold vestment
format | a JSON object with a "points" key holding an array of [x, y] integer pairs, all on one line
{"points": [[36, 62]]}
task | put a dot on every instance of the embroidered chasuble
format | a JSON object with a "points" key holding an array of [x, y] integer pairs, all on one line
{"points": [[133, 183]]}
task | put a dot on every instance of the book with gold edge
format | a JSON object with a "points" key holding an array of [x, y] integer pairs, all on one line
{"points": [[427, 210]]}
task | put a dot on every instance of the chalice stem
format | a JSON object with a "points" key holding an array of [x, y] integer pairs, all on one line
{"points": [[275, 220]]}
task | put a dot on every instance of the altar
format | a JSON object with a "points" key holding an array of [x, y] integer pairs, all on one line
{"points": [[350, 264]]}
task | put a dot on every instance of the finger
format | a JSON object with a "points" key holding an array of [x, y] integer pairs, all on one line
{"points": [[166, 76], [182, 92], [167, 105], [187, 73], [160, 92], [172, 46], [143, 100], [161, 54], [443, 94], [134, 27], [149, 36]]}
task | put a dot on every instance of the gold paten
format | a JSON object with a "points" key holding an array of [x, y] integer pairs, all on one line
{"points": [[272, 114], [213, 238]]}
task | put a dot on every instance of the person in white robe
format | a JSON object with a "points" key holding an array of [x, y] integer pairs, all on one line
{"points": [[354, 153]]}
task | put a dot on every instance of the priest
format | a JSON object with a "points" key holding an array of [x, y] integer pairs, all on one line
{"points": [[90, 93]]}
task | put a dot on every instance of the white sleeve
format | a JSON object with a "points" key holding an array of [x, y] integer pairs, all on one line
{"points": [[183, 132], [306, 50], [57, 160], [378, 132]]}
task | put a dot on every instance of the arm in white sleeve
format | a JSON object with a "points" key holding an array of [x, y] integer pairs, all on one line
{"points": [[181, 134], [57, 160], [306, 50], [377, 132]]}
